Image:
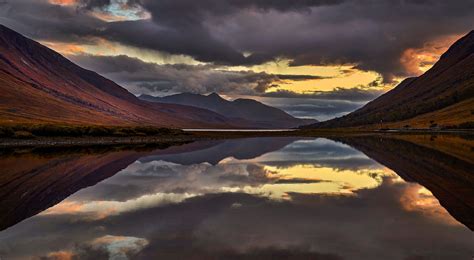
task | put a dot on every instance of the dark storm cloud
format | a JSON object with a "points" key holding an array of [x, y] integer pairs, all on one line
{"points": [[189, 8], [353, 94], [194, 41], [372, 35], [150, 78], [43, 21]]}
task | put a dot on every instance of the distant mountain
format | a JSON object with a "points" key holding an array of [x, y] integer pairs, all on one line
{"points": [[443, 96], [38, 85], [259, 115]]}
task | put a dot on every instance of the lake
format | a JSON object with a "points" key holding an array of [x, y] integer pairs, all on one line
{"points": [[366, 197]]}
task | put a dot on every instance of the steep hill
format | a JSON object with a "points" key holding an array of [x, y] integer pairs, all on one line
{"points": [[259, 114], [38, 85], [423, 101]]}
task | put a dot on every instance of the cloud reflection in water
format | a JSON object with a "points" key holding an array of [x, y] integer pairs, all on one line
{"points": [[309, 198]]}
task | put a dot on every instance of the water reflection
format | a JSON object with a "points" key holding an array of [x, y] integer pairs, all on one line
{"points": [[247, 198]]}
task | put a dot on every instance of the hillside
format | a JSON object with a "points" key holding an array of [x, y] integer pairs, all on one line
{"points": [[251, 110], [443, 96], [38, 85]]}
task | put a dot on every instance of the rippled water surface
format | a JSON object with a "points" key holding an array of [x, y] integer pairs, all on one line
{"points": [[258, 198]]}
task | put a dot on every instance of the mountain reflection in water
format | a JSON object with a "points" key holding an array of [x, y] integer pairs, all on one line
{"points": [[244, 198]]}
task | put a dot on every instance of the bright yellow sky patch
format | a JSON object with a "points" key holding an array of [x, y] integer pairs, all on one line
{"points": [[335, 76], [354, 79]]}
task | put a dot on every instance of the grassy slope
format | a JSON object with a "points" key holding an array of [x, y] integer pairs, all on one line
{"points": [[454, 115], [451, 116]]}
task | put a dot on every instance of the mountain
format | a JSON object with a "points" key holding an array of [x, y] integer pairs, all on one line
{"points": [[259, 115], [38, 85], [443, 96]]}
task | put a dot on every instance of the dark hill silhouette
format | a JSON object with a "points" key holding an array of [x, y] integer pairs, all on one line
{"points": [[260, 115]]}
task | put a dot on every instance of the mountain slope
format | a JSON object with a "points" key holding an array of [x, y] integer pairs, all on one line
{"points": [[38, 85], [245, 109], [449, 83]]}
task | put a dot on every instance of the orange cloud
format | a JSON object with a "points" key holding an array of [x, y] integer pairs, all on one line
{"points": [[418, 60], [63, 2], [65, 208], [65, 48], [61, 255]]}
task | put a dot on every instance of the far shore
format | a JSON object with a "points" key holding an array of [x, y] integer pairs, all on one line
{"points": [[190, 135]]}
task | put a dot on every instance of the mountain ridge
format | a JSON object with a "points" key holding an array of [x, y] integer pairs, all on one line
{"points": [[240, 109]]}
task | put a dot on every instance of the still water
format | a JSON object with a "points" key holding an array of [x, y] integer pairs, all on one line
{"points": [[257, 198]]}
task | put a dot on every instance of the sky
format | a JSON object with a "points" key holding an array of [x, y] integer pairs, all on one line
{"points": [[313, 58]]}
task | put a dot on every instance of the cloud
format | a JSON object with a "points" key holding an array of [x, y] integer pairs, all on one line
{"points": [[321, 105], [353, 94], [366, 34], [150, 78]]}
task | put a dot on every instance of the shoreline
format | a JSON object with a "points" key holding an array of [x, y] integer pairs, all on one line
{"points": [[91, 141], [202, 135]]}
